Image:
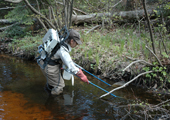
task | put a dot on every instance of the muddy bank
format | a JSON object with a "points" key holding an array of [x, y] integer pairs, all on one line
{"points": [[7, 49]]}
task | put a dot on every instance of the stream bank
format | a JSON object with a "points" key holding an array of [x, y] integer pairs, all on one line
{"points": [[115, 75]]}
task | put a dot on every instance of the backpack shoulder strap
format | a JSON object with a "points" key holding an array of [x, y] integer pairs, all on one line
{"points": [[65, 45]]}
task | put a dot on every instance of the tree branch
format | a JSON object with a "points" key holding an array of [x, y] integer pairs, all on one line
{"points": [[73, 8], [38, 13], [6, 21], [95, 27], [38, 7], [42, 24], [143, 61], [54, 18], [126, 83], [3, 28], [154, 55], [7, 8], [115, 6]]}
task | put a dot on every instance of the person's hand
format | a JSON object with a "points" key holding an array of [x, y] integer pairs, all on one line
{"points": [[82, 76]]}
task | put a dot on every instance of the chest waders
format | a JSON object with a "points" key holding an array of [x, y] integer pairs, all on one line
{"points": [[48, 87], [52, 63]]}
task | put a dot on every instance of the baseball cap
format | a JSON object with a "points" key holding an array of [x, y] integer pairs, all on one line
{"points": [[73, 34]]}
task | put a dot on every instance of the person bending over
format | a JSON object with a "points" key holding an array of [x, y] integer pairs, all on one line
{"points": [[53, 69]]}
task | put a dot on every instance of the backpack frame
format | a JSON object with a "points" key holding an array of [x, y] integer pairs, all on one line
{"points": [[51, 43]]}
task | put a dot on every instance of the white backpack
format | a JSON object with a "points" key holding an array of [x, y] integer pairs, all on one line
{"points": [[51, 43]]}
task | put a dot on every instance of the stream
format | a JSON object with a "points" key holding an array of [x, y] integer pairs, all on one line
{"points": [[23, 95]]}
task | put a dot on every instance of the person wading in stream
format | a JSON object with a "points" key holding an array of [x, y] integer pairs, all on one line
{"points": [[52, 71]]}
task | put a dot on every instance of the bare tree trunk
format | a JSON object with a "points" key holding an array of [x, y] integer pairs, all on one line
{"points": [[149, 25], [68, 9]]}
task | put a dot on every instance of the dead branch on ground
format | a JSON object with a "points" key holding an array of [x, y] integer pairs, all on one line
{"points": [[126, 83], [141, 61], [95, 27], [4, 28], [154, 55]]}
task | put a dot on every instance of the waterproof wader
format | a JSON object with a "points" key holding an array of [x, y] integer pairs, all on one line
{"points": [[54, 78]]}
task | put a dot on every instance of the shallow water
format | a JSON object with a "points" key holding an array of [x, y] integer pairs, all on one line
{"points": [[23, 96]]}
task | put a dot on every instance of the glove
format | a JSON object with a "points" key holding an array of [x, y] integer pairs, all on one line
{"points": [[82, 76]]}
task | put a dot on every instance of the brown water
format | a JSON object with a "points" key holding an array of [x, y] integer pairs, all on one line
{"points": [[23, 96]]}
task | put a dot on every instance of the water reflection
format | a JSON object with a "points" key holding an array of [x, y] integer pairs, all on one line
{"points": [[15, 107], [23, 95]]}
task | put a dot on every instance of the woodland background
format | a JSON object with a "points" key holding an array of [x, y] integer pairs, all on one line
{"points": [[124, 40]]}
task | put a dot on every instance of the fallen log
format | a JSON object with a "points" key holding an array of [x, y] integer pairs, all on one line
{"points": [[98, 17], [6, 8], [123, 16], [6, 21], [13, 1]]}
